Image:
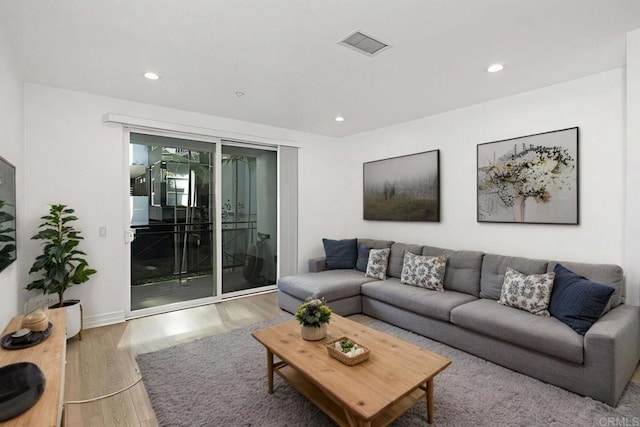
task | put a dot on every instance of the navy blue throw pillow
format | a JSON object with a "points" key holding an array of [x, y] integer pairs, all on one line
{"points": [[363, 257], [340, 253], [576, 300]]}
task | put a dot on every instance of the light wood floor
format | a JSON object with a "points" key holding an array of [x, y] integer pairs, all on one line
{"points": [[104, 361]]}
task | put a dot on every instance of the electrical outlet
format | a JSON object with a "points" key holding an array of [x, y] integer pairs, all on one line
{"points": [[102, 231]]}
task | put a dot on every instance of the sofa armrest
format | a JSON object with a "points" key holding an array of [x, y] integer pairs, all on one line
{"points": [[612, 346], [618, 326], [317, 265]]}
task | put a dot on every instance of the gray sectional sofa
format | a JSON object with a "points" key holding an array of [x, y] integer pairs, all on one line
{"points": [[467, 316]]}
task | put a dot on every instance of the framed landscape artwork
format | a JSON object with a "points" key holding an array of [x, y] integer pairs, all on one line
{"points": [[405, 188], [531, 179], [7, 213]]}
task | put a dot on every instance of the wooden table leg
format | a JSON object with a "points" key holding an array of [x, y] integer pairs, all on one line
{"points": [[430, 401], [270, 371], [355, 422]]}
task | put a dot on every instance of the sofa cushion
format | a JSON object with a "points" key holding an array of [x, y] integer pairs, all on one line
{"points": [[340, 253], [531, 293], [435, 251], [376, 244], [330, 284], [424, 271], [426, 302], [607, 274], [396, 260], [377, 265], [495, 266], [577, 301], [543, 334], [363, 255], [463, 269]]}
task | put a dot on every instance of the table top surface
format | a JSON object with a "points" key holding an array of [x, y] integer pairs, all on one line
{"points": [[49, 355], [394, 367]]}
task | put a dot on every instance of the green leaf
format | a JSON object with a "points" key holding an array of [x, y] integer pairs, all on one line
{"points": [[7, 249], [6, 216], [48, 233], [69, 218]]}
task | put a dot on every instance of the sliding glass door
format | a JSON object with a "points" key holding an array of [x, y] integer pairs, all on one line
{"points": [[204, 221], [249, 218], [173, 254]]}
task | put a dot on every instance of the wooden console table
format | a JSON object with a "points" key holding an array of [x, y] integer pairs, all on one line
{"points": [[50, 356]]}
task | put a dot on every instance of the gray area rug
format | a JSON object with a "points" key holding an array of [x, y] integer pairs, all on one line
{"points": [[221, 381]]}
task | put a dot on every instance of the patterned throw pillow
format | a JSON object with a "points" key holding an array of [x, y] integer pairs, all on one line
{"points": [[424, 271], [531, 293], [377, 265]]}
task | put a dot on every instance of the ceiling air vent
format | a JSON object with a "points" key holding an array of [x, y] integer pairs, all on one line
{"points": [[363, 43]]}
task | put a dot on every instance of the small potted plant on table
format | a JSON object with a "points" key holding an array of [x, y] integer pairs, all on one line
{"points": [[313, 315], [61, 263]]}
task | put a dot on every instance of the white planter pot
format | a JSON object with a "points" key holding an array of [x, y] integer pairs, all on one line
{"points": [[311, 333], [74, 317]]}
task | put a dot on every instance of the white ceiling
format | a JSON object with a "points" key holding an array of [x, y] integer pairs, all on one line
{"points": [[283, 54]]}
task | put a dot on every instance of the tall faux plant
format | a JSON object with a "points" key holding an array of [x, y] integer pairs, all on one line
{"points": [[61, 263]]}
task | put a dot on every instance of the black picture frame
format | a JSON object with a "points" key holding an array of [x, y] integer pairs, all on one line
{"points": [[530, 179], [8, 253], [404, 188]]}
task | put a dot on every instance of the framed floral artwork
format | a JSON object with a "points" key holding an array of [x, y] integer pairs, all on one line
{"points": [[531, 179]]}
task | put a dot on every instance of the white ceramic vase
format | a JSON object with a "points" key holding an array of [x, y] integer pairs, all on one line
{"points": [[311, 333]]}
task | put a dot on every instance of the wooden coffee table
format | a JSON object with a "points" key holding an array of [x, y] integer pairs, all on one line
{"points": [[396, 376]]}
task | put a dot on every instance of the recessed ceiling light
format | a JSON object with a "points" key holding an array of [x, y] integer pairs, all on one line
{"points": [[495, 68], [339, 119], [151, 76]]}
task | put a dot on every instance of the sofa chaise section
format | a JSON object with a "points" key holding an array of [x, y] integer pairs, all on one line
{"points": [[340, 288]]}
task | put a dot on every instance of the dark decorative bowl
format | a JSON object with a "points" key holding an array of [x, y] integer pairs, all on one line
{"points": [[21, 385]]}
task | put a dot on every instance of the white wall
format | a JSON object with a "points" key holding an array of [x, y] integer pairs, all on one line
{"points": [[632, 235], [12, 149], [595, 104], [76, 159]]}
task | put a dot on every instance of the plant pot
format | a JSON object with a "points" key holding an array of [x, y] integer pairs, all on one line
{"points": [[312, 333], [74, 316]]}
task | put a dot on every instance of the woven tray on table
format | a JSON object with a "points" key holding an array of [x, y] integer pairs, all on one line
{"points": [[342, 357]]}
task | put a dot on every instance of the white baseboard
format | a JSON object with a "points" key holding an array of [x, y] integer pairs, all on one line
{"points": [[103, 319]]}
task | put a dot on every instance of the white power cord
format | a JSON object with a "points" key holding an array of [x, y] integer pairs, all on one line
{"points": [[74, 402]]}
